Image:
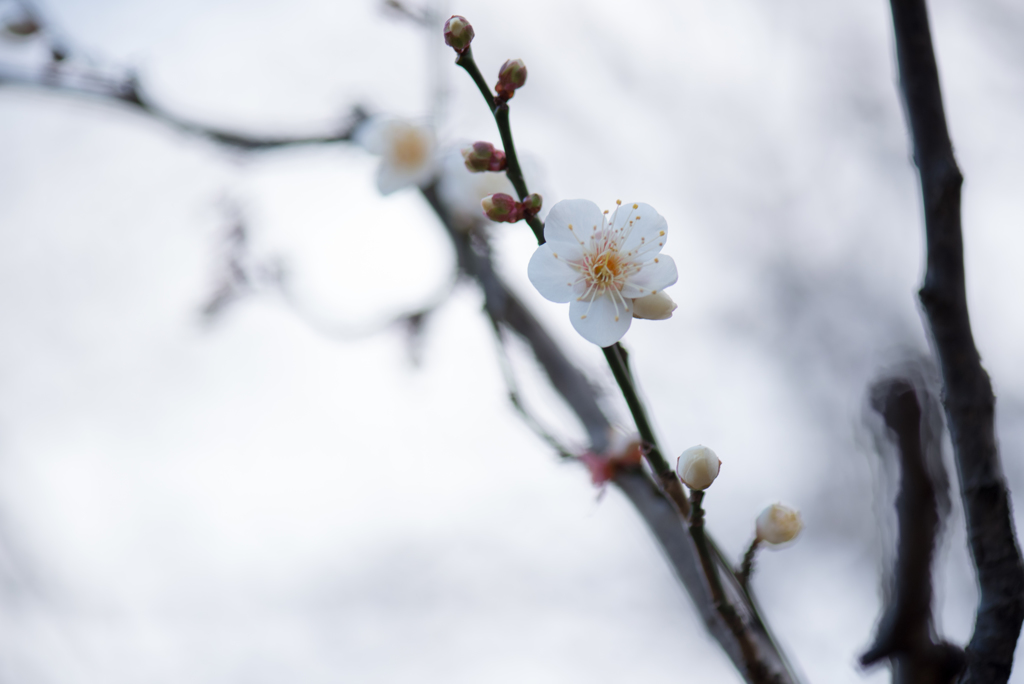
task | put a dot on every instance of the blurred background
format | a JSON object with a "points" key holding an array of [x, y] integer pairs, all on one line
{"points": [[255, 497]]}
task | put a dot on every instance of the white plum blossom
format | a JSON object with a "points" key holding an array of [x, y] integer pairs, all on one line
{"points": [[407, 151], [600, 264]]}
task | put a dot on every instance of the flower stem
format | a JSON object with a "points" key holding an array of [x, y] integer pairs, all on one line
{"points": [[499, 108], [757, 670], [618, 361], [747, 566]]}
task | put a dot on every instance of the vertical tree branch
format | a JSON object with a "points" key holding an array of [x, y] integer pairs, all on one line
{"points": [[968, 398], [905, 632]]}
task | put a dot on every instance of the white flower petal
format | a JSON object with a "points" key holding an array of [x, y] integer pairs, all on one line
{"points": [[652, 277], [551, 275], [389, 179], [583, 215], [602, 321], [643, 230]]}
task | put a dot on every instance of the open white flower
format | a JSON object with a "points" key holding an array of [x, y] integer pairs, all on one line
{"points": [[600, 264], [407, 150]]}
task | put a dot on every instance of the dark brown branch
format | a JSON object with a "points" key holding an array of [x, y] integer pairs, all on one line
{"points": [[905, 632], [127, 90], [968, 398]]}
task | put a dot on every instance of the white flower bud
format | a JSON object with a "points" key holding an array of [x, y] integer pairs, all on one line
{"points": [[778, 524], [655, 307], [698, 467]]}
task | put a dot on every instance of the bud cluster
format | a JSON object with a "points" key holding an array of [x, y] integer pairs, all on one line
{"points": [[504, 208], [511, 76], [483, 156], [458, 33]]}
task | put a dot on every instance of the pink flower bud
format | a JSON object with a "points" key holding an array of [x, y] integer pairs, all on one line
{"points": [[481, 156], [458, 33], [498, 161], [532, 204], [502, 207], [478, 156], [511, 76]]}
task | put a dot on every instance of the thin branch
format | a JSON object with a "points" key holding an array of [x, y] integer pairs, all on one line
{"points": [[747, 565], [499, 110], [617, 361], [968, 398], [758, 670], [60, 77]]}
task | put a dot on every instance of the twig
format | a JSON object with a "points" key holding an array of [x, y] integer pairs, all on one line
{"points": [[968, 398], [747, 566], [127, 90], [500, 111], [758, 671], [617, 361]]}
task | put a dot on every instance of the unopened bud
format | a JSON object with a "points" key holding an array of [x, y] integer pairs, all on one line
{"points": [[498, 161], [502, 207], [458, 33], [511, 76], [655, 307], [481, 156], [778, 524], [698, 467], [532, 204]]}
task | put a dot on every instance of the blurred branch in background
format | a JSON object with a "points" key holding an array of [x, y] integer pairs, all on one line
{"points": [[906, 630], [968, 398]]}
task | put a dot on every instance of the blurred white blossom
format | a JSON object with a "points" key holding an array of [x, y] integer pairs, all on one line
{"points": [[408, 152]]}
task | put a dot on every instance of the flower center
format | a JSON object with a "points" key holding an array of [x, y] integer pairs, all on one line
{"points": [[409, 149], [604, 270]]}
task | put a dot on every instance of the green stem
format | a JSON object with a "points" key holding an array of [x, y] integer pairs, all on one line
{"points": [[499, 108], [616, 357], [466, 61]]}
